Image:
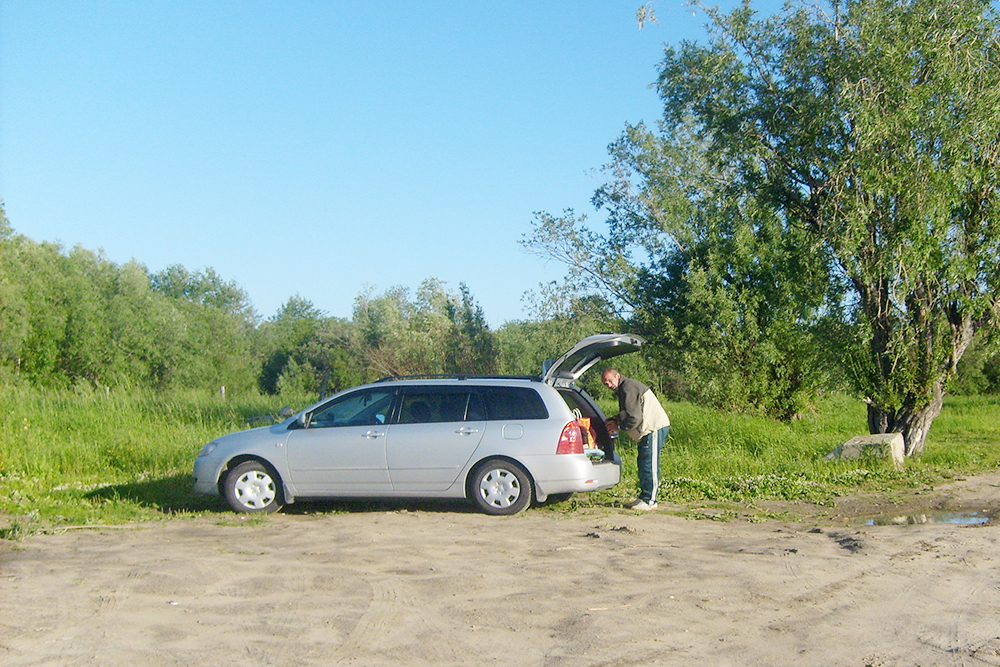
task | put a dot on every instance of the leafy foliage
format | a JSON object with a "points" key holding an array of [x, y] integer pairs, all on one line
{"points": [[438, 332], [822, 181], [75, 319]]}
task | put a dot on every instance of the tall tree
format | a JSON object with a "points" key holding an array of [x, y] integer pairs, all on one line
{"points": [[852, 148], [14, 324], [206, 288], [438, 331], [470, 345], [873, 127], [713, 279], [219, 328], [74, 317], [284, 336]]}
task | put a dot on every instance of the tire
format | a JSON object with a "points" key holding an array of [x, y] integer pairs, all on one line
{"points": [[500, 487], [253, 488]]}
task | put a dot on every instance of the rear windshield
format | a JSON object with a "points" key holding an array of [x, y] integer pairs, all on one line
{"points": [[510, 403]]}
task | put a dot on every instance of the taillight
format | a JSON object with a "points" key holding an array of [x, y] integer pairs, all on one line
{"points": [[571, 440]]}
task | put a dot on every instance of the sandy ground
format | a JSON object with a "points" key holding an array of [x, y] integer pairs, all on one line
{"points": [[418, 584]]}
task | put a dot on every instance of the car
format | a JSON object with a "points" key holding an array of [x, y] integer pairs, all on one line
{"points": [[502, 442]]}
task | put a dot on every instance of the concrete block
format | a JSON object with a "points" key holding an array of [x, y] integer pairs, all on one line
{"points": [[883, 445]]}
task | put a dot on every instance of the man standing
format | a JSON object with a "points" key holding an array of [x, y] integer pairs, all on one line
{"points": [[644, 419]]}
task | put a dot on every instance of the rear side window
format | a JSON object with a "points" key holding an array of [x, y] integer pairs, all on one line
{"points": [[437, 404], [510, 403]]}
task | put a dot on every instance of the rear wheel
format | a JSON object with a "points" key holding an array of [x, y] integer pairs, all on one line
{"points": [[498, 486], [251, 487]]}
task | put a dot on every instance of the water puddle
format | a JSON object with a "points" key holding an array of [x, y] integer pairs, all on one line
{"points": [[958, 518]]}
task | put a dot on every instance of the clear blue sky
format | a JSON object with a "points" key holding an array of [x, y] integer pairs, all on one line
{"points": [[316, 148]]}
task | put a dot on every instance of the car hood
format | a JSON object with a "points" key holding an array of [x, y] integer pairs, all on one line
{"points": [[586, 353]]}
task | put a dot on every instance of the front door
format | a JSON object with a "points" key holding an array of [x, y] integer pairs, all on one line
{"points": [[342, 449]]}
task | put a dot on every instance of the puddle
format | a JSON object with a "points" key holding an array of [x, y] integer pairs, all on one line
{"points": [[959, 518]]}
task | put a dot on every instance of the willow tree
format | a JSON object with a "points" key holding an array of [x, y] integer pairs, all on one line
{"points": [[437, 332], [863, 135], [874, 126]]}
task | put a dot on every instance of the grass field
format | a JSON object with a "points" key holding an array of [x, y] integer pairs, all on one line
{"points": [[713, 456], [73, 458]]}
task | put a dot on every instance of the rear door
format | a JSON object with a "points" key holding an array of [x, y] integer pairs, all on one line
{"points": [[437, 431]]}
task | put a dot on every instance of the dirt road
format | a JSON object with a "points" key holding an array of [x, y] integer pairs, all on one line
{"points": [[445, 586]]}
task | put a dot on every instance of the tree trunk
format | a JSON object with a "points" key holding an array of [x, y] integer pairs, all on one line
{"points": [[916, 414], [912, 421], [880, 420]]}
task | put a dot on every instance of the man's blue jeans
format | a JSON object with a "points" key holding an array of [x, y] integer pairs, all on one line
{"points": [[648, 463]]}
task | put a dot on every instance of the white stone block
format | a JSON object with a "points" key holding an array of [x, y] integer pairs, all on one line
{"points": [[884, 445]]}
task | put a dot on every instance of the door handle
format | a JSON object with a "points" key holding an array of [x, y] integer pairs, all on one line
{"points": [[465, 430], [372, 434]]}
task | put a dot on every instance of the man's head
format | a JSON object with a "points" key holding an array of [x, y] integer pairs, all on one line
{"points": [[611, 378]]}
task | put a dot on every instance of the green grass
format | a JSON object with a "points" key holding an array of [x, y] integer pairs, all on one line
{"points": [[92, 457], [714, 456]]}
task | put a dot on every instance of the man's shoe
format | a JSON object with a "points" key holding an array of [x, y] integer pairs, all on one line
{"points": [[633, 503], [643, 506]]}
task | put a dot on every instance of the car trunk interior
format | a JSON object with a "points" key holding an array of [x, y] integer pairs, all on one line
{"points": [[586, 408]]}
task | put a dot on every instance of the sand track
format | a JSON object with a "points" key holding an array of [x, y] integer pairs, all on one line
{"points": [[445, 586]]}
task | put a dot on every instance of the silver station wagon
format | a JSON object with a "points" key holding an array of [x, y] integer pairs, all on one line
{"points": [[500, 442]]}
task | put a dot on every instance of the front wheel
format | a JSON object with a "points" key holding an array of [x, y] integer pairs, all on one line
{"points": [[497, 486], [251, 487]]}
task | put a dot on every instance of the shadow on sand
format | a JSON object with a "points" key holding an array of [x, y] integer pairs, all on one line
{"points": [[174, 494]]}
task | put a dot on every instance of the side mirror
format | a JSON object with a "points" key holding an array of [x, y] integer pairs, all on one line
{"points": [[302, 421]]}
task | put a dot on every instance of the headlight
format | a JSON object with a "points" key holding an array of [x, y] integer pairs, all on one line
{"points": [[207, 449]]}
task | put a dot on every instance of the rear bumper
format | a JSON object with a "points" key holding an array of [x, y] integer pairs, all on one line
{"points": [[574, 473]]}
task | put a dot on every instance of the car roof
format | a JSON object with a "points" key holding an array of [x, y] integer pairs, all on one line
{"points": [[450, 379], [559, 373]]}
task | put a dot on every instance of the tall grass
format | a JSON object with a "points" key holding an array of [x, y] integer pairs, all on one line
{"points": [[89, 456], [712, 455], [83, 457]]}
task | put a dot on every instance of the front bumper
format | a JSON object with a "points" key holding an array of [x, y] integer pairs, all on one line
{"points": [[206, 476]]}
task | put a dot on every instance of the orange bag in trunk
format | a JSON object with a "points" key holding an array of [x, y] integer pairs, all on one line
{"points": [[589, 437]]}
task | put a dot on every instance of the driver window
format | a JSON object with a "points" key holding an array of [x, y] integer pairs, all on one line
{"points": [[361, 408]]}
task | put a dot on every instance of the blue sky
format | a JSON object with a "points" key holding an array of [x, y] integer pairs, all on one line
{"points": [[320, 148]]}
